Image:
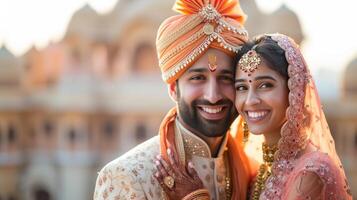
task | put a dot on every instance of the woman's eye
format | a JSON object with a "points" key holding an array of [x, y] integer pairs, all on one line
{"points": [[266, 85], [241, 88]]}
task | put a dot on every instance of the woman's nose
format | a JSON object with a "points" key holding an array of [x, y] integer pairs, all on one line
{"points": [[252, 98]]}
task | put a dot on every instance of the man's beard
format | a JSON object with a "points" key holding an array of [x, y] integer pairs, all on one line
{"points": [[209, 128]]}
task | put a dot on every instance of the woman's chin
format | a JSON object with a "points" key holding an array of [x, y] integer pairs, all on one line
{"points": [[257, 133]]}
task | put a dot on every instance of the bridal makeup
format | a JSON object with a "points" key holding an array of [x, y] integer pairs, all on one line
{"points": [[261, 97]]}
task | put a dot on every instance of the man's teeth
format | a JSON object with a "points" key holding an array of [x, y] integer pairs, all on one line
{"points": [[212, 110], [257, 114]]}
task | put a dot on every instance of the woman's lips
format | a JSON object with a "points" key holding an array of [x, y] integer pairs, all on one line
{"points": [[257, 115]]}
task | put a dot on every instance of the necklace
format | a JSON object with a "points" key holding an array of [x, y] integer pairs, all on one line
{"points": [[264, 170], [228, 178]]}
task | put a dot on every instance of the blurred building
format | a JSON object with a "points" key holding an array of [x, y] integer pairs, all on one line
{"points": [[342, 118], [283, 20], [71, 107], [68, 109]]}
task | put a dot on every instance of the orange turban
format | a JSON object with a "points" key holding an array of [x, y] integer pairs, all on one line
{"points": [[203, 24]]}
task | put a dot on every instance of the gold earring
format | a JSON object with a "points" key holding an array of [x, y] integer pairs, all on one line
{"points": [[245, 132]]}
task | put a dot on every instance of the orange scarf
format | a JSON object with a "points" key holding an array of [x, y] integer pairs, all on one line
{"points": [[239, 162]]}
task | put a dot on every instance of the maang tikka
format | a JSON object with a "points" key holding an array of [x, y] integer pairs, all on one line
{"points": [[250, 61]]}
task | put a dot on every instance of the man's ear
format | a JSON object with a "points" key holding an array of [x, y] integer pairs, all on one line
{"points": [[172, 88]]}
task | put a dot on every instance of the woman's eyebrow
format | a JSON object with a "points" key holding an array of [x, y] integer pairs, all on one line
{"points": [[256, 78], [240, 80], [264, 77]]}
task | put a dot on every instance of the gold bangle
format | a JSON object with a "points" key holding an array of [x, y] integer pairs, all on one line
{"points": [[200, 194]]}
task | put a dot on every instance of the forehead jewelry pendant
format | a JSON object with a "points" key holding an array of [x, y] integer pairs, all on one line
{"points": [[249, 61], [212, 62]]}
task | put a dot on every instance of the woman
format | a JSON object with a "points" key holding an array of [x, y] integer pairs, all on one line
{"points": [[277, 98]]}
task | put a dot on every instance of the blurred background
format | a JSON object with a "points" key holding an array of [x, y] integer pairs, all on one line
{"points": [[80, 83]]}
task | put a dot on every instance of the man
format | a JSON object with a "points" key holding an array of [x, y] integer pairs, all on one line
{"points": [[196, 50]]}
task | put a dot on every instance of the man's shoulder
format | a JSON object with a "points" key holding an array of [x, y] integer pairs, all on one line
{"points": [[130, 175], [137, 161]]}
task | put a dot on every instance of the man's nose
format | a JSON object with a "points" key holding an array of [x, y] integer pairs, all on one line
{"points": [[213, 93]]}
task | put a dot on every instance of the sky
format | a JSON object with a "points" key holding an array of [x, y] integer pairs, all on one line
{"points": [[329, 27], [38, 22], [330, 34]]}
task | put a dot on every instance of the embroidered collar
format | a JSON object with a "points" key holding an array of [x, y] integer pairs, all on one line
{"points": [[189, 145]]}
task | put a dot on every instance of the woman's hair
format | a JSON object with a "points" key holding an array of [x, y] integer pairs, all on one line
{"points": [[270, 51]]}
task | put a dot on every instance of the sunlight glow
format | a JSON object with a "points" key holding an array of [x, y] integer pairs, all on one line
{"points": [[330, 38]]}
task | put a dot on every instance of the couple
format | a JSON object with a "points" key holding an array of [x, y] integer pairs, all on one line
{"points": [[213, 73]]}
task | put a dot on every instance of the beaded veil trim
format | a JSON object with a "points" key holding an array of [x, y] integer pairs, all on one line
{"points": [[293, 133]]}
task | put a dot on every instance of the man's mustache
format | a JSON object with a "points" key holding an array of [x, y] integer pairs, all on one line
{"points": [[222, 102]]}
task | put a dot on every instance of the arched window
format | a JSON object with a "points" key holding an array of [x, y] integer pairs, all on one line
{"points": [[109, 129], [41, 194], [0, 141], [76, 55], [48, 128], [145, 59], [11, 197], [11, 135], [355, 140], [113, 52], [72, 135], [140, 132]]}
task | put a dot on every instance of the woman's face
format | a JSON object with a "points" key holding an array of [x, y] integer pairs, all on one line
{"points": [[262, 99]]}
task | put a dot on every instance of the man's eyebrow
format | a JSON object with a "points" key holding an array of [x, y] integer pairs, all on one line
{"points": [[226, 71], [202, 69]]}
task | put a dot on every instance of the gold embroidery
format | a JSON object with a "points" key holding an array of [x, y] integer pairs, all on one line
{"points": [[208, 29], [180, 46], [194, 147], [192, 22], [208, 14], [198, 51]]}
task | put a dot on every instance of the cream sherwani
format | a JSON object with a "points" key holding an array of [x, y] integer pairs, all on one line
{"points": [[130, 176]]}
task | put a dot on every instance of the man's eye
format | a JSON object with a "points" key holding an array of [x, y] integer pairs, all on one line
{"points": [[227, 78], [198, 77]]}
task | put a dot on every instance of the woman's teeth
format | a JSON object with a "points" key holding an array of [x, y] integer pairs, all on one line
{"points": [[257, 115]]}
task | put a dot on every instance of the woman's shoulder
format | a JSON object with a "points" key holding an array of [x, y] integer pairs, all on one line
{"points": [[318, 162], [317, 165], [316, 173]]}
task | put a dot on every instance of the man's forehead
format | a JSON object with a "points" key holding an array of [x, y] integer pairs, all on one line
{"points": [[205, 68], [224, 62]]}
